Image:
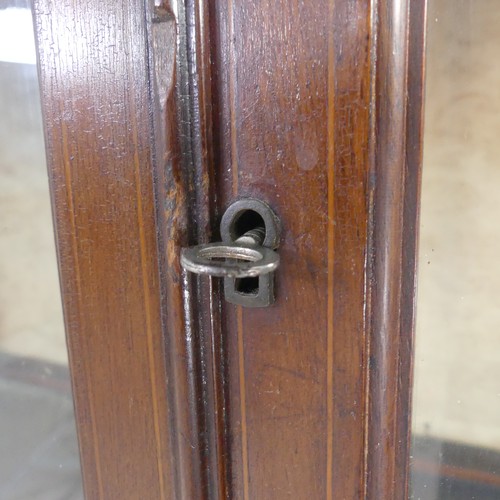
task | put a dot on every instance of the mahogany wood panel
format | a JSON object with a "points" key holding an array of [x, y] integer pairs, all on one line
{"points": [[312, 114], [314, 107], [294, 100], [94, 71]]}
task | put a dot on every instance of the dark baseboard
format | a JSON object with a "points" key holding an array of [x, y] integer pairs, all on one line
{"points": [[444, 470], [35, 372]]}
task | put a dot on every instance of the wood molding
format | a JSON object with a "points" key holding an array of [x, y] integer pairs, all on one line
{"points": [[186, 216], [411, 228], [397, 138]]}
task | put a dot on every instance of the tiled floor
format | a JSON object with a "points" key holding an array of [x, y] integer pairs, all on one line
{"points": [[39, 453]]}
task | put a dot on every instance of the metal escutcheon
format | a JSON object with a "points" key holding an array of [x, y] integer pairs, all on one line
{"points": [[245, 258]]}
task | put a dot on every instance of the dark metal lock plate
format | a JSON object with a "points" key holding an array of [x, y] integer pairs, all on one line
{"points": [[258, 291], [245, 258]]}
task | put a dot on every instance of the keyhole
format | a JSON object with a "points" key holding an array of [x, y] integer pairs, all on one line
{"points": [[247, 286], [257, 220], [245, 221]]}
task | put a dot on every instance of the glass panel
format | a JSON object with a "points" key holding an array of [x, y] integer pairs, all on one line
{"points": [[39, 453], [456, 420]]}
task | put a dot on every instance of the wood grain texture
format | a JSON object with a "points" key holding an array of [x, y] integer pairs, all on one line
{"points": [[271, 70], [411, 228], [186, 216], [385, 265], [311, 116], [293, 109], [94, 63], [398, 124], [306, 106]]}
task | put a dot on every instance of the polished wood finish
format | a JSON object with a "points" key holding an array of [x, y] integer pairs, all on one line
{"points": [[312, 107], [93, 61], [411, 223], [185, 217], [394, 227], [312, 116], [294, 107]]}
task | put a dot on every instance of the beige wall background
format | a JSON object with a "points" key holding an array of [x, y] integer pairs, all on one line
{"points": [[457, 370], [30, 304]]}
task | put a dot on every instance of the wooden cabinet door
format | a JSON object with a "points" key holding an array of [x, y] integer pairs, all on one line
{"points": [[157, 118]]}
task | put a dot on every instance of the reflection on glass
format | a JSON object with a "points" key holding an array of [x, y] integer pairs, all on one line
{"points": [[39, 453], [456, 417]]}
